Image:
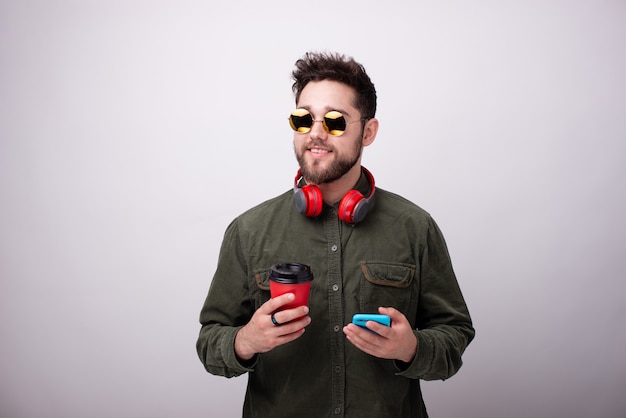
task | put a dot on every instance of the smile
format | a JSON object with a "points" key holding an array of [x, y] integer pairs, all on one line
{"points": [[318, 151]]}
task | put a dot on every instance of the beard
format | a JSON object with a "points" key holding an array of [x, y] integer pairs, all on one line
{"points": [[315, 174]]}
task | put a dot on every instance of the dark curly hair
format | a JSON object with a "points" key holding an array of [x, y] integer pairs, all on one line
{"points": [[314, 66]]}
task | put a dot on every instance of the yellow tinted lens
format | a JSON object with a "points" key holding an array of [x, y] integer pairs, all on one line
{"points": [[335, 123], [301, 120]]}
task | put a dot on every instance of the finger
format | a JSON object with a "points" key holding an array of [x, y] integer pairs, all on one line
{"points": [[380, 329], [286, 338], [275, 320], [287, 333], [274, 303], [360, 336], [369, 342], [395, 315], [288, 315], [389, 311]]}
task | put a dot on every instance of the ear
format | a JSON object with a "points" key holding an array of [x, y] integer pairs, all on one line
{"points": [[370, 131]]}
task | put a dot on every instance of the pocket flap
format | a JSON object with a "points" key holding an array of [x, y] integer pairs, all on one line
{"points": [[388, 274]]}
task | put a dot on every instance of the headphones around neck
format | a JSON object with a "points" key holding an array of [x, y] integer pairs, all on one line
{"points": [[353, 205]]}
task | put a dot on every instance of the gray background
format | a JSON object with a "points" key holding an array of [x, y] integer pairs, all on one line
{"points": [[132, 132]]}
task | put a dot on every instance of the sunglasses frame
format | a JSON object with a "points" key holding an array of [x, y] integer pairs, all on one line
{"points": [[323, 120]]}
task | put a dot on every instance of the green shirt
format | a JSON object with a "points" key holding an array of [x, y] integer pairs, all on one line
{"points": [[395, 257]]}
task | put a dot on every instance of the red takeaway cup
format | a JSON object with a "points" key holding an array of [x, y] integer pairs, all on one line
{"points": [[291, 278]]}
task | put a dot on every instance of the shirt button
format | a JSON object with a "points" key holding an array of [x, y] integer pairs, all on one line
{"points": [[335, 287], [333, 248], [336, 328], [337, 411], [337, 369]]}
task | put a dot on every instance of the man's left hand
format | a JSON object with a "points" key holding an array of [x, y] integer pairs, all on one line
{"points": [[397, 342]]}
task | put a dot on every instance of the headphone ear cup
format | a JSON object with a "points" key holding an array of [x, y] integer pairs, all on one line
{"points": [[309, 200], [351, 207]]}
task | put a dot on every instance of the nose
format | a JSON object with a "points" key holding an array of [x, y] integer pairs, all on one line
{"points": [[318, 131]]}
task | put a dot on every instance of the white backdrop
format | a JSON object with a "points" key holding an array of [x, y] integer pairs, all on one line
{"points": [[132, 132]]}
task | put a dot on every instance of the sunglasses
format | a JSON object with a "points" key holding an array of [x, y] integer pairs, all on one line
{"points": [[334, 122]]}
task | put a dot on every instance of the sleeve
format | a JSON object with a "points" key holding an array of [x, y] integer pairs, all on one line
{"points": [[444, 327], [226, 309]]}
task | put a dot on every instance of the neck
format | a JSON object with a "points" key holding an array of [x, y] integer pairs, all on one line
{"points": [[333, 192]]}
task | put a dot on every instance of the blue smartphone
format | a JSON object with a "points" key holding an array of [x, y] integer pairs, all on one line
{"points": [[361, 319]]}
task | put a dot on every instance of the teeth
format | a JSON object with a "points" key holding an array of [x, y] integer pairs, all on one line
{"points": [[318, 151]]}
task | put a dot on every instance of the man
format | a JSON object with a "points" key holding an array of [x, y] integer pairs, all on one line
{"points": [[370, 251]]}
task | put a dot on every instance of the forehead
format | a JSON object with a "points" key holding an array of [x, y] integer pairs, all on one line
{"points": [[325, 95]]}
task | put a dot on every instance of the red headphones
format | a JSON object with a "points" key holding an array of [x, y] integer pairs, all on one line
{"points": [[352, 208]]}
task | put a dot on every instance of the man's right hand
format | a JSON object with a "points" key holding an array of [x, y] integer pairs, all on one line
{"points": [[261, 335]]}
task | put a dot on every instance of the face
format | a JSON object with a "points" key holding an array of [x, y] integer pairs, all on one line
{"points": [[324, 158]]}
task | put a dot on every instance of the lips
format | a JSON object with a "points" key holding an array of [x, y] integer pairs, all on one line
{"points": [[319, 151]]}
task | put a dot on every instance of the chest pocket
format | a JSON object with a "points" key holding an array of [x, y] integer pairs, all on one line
{"points": [[261, 292], [387, 284]]}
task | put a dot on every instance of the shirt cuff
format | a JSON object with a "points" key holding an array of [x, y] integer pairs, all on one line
{"points": [[422, 362], [230, 357]]}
